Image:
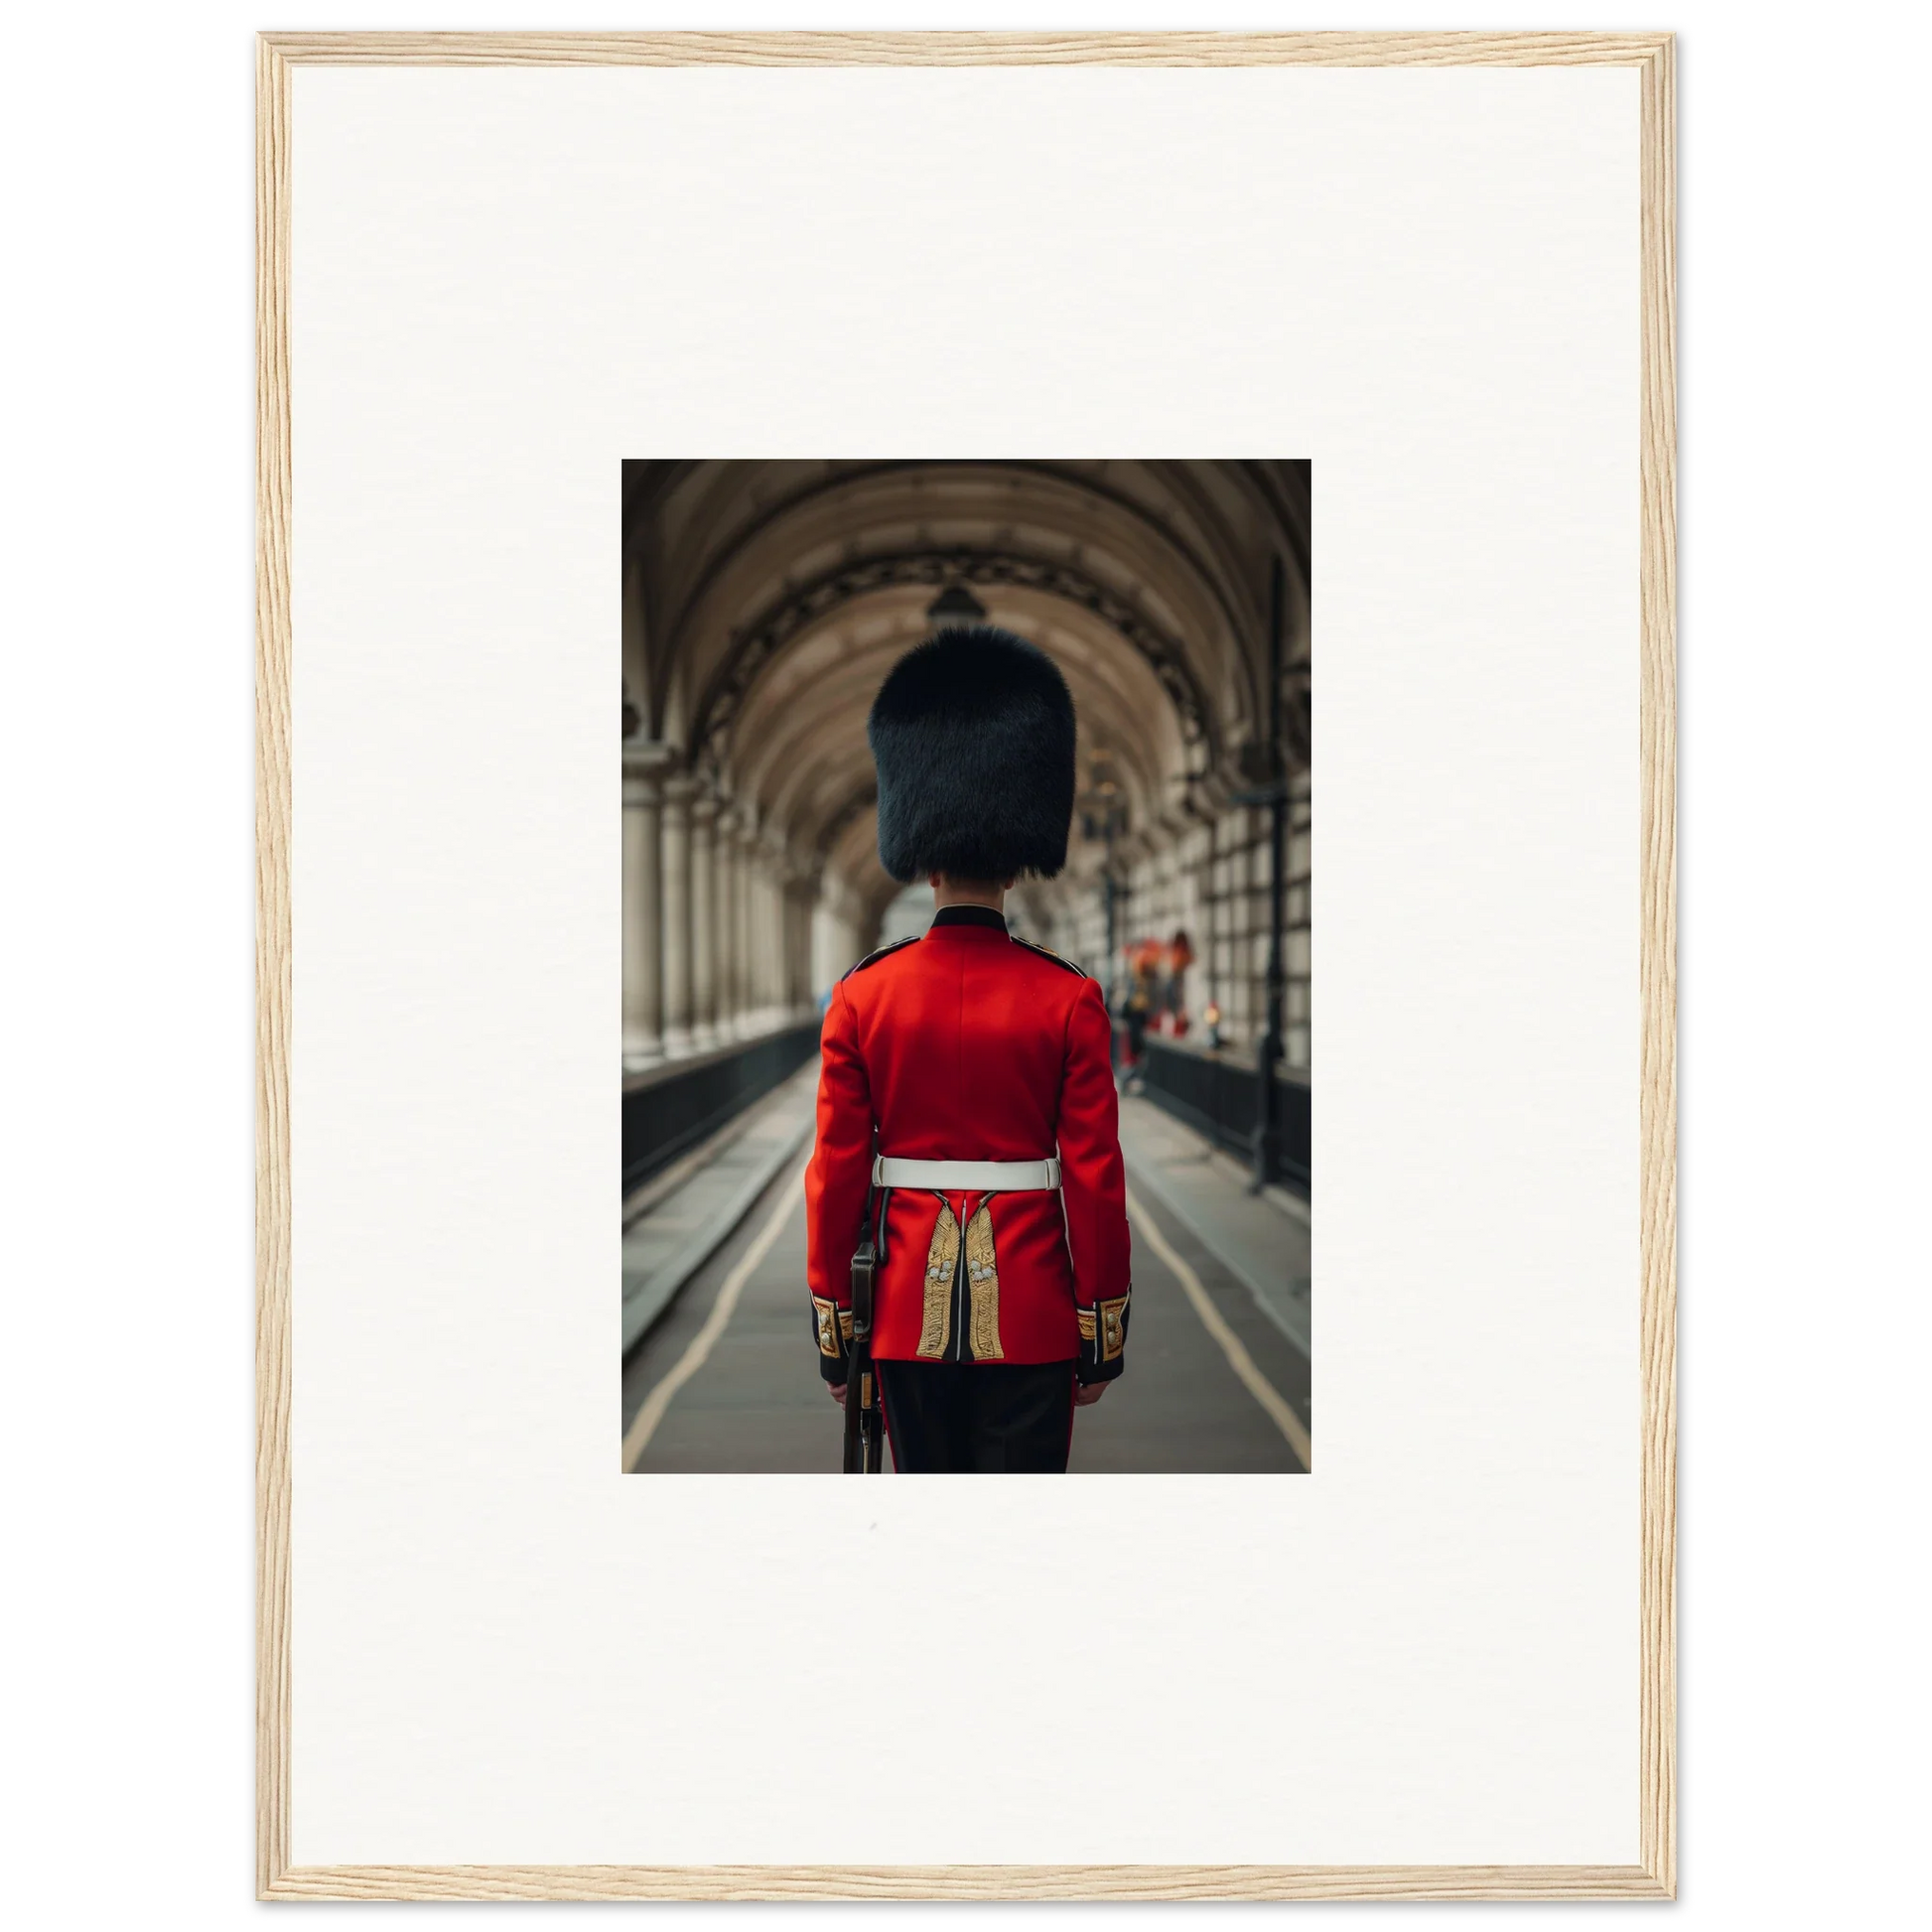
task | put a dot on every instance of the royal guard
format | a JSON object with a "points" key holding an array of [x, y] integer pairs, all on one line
{"points": [[966, 1213]]}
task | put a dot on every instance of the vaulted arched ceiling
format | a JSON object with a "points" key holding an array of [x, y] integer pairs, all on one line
{"points": [[766, 601]]}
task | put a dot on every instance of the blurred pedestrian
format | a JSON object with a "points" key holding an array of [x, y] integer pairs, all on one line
{"points": [[1140, 1002], [1181, 955]]}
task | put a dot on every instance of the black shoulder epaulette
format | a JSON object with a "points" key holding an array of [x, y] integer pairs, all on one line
{"points": [[873, 958], [1047, 952]]}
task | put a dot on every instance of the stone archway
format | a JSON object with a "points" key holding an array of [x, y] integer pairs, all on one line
{"points": [[763, 603], [767, 636]]}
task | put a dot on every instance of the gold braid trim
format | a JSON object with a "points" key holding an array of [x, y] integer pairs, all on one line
{"points": [[983, 1277], [940, 1259], [826, 1313]]}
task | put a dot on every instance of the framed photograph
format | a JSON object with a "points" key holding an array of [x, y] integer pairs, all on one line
{"points": [[978, 481], [1157, 851]]}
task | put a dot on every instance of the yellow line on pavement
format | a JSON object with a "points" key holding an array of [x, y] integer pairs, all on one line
{"points": [[645, 1425], [1243, 1364]]}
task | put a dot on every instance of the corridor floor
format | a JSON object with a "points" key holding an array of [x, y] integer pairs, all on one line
{"points": [[727, 1381]]}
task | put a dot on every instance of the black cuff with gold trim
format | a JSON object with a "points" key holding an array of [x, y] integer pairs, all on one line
{"points": [[832, 1331], [1103, 1339]]}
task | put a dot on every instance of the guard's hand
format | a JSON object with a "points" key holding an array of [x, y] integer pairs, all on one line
{"points": [[837, 1393], [1086, 1394]]}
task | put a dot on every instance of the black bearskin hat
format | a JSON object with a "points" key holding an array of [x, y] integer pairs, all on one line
{"points": [[972, 733]]}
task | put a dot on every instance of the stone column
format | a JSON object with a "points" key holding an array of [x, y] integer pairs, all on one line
{"points": [[743, 961], [725, 920], [1210, 963], [771, 946], [721, 923], [784, 889], [704, 922], [807, 908], [828, 958], [723, 886], [643, 982], [753, 914], [678, 793], [804, 899]]}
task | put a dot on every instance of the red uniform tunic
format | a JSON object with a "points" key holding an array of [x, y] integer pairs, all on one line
{"points": [[970, 1045]]}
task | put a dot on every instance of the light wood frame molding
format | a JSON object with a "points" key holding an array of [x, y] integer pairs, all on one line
{"points": [[1655, 1877]]}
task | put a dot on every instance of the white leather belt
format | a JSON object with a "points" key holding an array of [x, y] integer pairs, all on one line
{"points": [[967, 1177]]}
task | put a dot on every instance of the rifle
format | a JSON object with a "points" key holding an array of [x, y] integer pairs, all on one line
{"points": [[864, 1433]]}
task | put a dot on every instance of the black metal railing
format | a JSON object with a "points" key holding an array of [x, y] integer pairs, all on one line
{"points": [[1217, 1094], [671, 1107]]}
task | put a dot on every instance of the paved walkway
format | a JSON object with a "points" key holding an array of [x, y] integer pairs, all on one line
{"points": [[1262, 1240], [690, 1209], [1217, 1382]]}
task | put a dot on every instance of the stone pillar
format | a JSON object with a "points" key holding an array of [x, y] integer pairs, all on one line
{"points": [[801, 943], [744, 964], [722, 866], [1210, 914], [704, 922], [772, 953], [644, 981], [828, 944], [678, 793], [791, 893], [724, 863], [754, 961], [725, 944], [804, 899]]}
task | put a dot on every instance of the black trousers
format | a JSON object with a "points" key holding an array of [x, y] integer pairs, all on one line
{"points": [[978, 1416]]}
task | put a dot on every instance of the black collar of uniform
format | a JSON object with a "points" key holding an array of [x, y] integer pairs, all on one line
{"points": [[970, 915]]}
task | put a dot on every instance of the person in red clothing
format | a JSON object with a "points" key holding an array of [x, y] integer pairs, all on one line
{"points": [[966, 1097]]}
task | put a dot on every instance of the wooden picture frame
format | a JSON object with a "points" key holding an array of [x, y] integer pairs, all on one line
{"points": [[1655, 1876]]}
